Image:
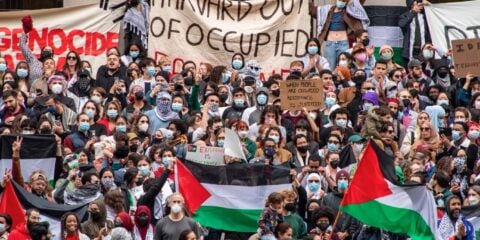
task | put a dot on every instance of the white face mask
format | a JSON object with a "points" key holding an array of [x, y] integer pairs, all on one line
{"points": [[143, 127], [473, 200], [176, 208]]}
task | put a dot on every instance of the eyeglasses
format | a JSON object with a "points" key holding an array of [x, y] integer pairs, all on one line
{"points": [[311, 181], [72, 58], [255, 68], [425, 129]]}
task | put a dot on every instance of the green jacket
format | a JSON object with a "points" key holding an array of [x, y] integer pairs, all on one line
{"points": [[299, 228]]}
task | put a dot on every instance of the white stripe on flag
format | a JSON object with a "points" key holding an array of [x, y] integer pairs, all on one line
{"points": [[28, 166], [241, 197], [380, 35]]}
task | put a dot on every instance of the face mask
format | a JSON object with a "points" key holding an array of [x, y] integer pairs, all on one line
{"points": [[361, 57], [121, 128], [473, 200], [3, 67], [28, 132], [427, 54], [95, 215], [144, 170], [237, 64], [342, 185], [330, 101], [304, 133], [139, 182], [96, 99], [341, 4], [473, 134], [334, 164], [223, 98], [214, 107], [108, 182], [239, 102], [387, 56], [366, 41], [169, 135], [275, 138], [303, 149], [167, 68], [341, 123], [139, 95], [220, 143], [225, 77], [143, 127], [270, 153], [276, 93], [367, 106], [343, 63], [455, 135], [52, 109], [242, 134], [176, 208], [312, 50], [406, 103], [57, 88], [357, 148], [90, 113], [313, 186], [112, 113], [134, 54], [142, 220], [290, 207], [151, 71], [2, 227], [442, 102], [332, 147], [262, 99], [84, 126], [177, 107], [165, 161], [22, 73], [323, 226], [442, 74]]}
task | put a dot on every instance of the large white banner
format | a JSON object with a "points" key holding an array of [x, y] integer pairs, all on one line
{"points": [[272, 32], [451, 21], [89, 30]]}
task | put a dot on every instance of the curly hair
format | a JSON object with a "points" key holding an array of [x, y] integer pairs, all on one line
{"points": [[115, 199]]}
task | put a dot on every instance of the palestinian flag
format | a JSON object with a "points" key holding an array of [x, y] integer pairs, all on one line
{"points": [[16, 200], [232, 197], [384, 27], [38, 152], [377, 199]]}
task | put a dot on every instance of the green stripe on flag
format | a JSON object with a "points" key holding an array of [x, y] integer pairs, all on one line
{"points": [[388, 217], [228, 219]]}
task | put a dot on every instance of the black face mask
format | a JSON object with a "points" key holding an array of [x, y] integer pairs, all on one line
{"points": [[223, 98], [188, 81], [442, 74], [276, 93], [117, 224], [95, 215], [407, 103], [142, 220], [334, 164], [134, 148], [139, 182], [323, 226], [303, 149], [290, 207], [139, 95], [157, 141], [358, 80], [46, 130], [83, 85], [366, 41]]}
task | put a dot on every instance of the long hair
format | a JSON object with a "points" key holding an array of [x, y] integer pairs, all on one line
{"points": [[63, 224]]}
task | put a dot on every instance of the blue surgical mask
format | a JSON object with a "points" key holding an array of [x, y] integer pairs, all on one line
{"points": [[239, 102], [341, 4], [3, 67], [177, 107], [341, 123], [342, 184], [151, 71], [22, 73], [167, 68], [2, 227], [144, 170], [90, 113], [237, 64], [134, 54], [332, 147], [220, 143], [387, 56], [456, 135], [442, 102], [112, 113], [262, 99], [312, 50], [121, 128], [367, 106], [313, 186], [473, 134], [225, 77], [330, 101], [84, 126], [166, 161]]}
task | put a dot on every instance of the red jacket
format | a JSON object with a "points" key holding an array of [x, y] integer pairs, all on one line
{"points": [[19, 233]]}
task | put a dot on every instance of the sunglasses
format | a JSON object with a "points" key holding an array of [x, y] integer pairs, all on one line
{"points": [[311, 181], [255, 68], [424, 129], [72, 58]]}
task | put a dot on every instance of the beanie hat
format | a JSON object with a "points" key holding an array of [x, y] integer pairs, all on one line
{"points": [[414, 63], [385, 47], [342, 173], [262, 89]]}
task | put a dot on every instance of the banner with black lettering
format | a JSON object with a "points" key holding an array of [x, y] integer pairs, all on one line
{"points": [[452, 21], [88, 29], [272, 32]]}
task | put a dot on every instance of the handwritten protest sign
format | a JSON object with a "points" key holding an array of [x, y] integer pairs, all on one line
{"points": [[205, 155], [295, 95], [466, 56], [272, 32]]}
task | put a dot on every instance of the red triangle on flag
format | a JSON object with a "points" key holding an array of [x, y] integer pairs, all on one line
{"points": [[9, 204], [191, 189], [368, 183]]}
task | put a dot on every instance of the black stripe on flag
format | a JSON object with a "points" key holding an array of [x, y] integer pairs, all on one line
{"points": [[386, 163], [240, 174], [386, 16], [33, 146]]}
